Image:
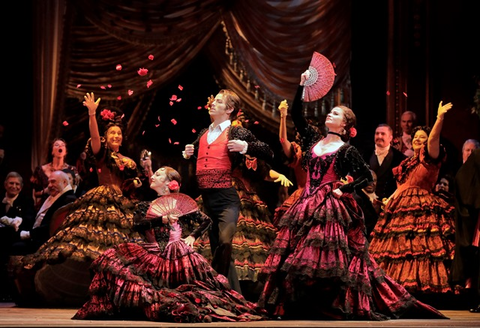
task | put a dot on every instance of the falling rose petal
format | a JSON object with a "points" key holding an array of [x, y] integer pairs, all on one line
{"points": [[91, 169], [157, 125], [246, 121], [388, 93], [123, 115], [65, 123], [194, 131], [256, 122], [199, 107], [99, 170], [173, 97], [151, 57], [174, 121], [180, 87], [171, 103], [149, 83], [130, 92], [257, 87], [109, 85], [176, 143], [142, 71], [405, 94], [169, 140], [118, 67], [143, 132], [103, 87], [119, 98], [158, 118], [79, 85], [179, 99]]}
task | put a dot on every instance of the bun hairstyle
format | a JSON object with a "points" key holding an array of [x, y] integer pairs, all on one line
{"points": [[350, 122], [174, 177]]}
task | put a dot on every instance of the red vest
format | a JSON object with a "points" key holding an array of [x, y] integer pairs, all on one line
{"points": [[214, 167]]}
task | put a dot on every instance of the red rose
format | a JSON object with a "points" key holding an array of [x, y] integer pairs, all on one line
{"points": [[173, 185], [353, 132], [107, 114]]}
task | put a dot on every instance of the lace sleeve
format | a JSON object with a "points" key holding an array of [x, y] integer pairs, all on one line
{"points": [[256, 148]]}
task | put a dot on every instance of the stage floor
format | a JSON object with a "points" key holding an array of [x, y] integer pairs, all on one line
{"points": [[13, 316]]}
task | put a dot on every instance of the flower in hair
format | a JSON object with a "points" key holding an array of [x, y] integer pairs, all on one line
{"points": [[173, 185], [353, 132], [107, 115]]}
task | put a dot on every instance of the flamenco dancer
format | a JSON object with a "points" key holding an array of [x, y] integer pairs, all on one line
{"points": [[413, 240], [164, 279], [319, 265], [98, 220]]}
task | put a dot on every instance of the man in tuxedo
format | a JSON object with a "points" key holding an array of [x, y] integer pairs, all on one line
{"points": [[60, 194], [384, 158], [16, 212]]}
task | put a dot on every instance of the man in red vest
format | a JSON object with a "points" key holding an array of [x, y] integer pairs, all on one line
{"points": [[218, 150]]}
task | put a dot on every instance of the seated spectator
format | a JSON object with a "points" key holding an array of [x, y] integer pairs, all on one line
{"points": [[16, 212], [60, 193]]}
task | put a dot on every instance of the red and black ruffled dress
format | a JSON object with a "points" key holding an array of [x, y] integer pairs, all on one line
{"points": [[413, 240], [163, 280], [319, 265]]}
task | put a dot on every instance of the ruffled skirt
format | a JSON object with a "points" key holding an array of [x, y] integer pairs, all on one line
{"points": [[178, 285], [413, 241], [98, 220], [319, 265]]}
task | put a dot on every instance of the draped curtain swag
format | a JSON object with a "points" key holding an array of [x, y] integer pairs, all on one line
{"points": [[258, 48]]}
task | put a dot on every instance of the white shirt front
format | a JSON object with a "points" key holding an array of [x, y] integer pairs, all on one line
{"points": [[381, 153], [215, 132], [47, 204]]}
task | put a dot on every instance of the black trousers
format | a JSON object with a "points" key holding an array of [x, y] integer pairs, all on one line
{"points": [[223, 207]]}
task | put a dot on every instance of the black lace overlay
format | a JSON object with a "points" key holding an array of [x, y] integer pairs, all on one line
{"points": [[317, 168], [348, 160]]}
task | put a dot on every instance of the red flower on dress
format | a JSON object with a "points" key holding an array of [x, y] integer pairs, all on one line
{"points": [[173, 185], [107, 115], [353, 132]]}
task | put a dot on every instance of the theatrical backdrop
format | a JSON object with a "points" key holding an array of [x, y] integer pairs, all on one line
{"points": [[159, 61]]}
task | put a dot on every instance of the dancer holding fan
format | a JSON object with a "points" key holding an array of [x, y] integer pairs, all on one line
{"points": [[319, 265], [164, 279], [321, 76]]}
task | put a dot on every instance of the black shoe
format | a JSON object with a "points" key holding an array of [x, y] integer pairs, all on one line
{"points": [[476, 310]]}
